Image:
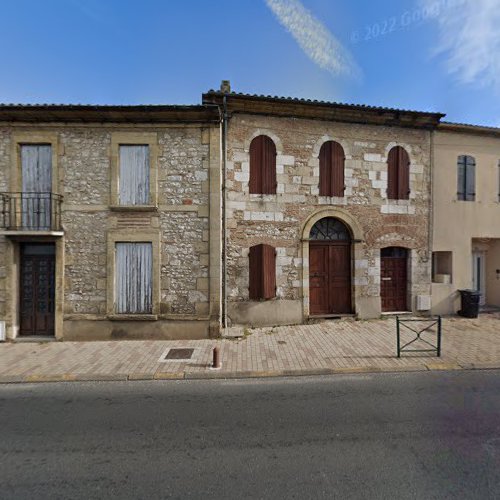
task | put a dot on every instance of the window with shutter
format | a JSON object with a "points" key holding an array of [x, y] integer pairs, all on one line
{"points": [[262, 166], [134, 278], [331, 169], [262, 272], [134, 175], [398, 174], [466, 178], [498, 180]]}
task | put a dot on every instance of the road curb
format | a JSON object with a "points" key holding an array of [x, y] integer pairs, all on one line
{"points": [[212, 375]]}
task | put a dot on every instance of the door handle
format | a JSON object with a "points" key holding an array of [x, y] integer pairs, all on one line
{"points": [[386, 279]]}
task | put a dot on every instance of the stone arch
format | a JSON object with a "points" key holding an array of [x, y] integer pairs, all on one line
{"points": [[357, 238], [325, 138], [337, 213], [268, 133], [408, 148]]}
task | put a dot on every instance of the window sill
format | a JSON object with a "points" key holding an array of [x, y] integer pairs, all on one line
{"points": [[134, 208], [132, 317]]}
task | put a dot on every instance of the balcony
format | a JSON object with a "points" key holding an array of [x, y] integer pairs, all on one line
{"points": [[25, 213]]}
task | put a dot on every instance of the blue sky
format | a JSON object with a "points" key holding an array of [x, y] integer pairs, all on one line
{"points": [[435, 55]]}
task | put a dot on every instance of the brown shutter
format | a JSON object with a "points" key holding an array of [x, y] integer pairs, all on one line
{"points": [[325, 169], [268, 272], [255, 183], [403, 174], [262, 166], [338, 160], [392, 174], [255, 272], [262, 272], [268, 166]]}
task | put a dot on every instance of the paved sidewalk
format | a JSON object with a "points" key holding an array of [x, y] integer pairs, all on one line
{"points": [[336, 346]]}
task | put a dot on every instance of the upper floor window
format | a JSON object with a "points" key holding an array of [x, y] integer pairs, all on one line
{"points": [[134, 174], [398, 174], [36, 186], [331, 169], [262, 166], [466, 178], [498, 180]]}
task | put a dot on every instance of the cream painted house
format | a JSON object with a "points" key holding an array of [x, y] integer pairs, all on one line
{"points": [[466, 215]]}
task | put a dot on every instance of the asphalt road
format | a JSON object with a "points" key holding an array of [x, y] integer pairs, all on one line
{"points": [[418, 436]]}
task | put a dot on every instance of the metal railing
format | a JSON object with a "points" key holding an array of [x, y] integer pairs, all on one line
{"points": [[30, 211], [426, 325]]}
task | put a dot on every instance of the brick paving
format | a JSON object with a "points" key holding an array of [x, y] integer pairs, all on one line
{"points": [[333, 346]]}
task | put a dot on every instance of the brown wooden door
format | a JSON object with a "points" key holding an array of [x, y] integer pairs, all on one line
{"points": [[393, 276], [37, 289], [330, 278]]}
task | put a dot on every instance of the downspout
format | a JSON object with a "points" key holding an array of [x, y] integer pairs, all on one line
{"points": [[431, 204], [224, 224]]}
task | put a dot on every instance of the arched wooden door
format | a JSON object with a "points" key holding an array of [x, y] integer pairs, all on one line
{"points": [[394, 279], [330, 268]]}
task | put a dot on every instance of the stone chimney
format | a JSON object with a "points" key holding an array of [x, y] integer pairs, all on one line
{"points": [[225, 87]]}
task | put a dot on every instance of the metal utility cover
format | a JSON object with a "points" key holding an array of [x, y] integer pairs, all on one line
{"points": [[179, 354]]}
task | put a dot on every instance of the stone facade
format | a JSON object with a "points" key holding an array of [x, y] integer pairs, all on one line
{"points": [[202, 219], [185, 291], [284, 220]]}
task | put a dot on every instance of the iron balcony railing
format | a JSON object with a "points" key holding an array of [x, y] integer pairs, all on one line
{"points": [[30, 211]]}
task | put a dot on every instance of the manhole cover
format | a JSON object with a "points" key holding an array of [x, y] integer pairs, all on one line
{"points": [[179, 354]]}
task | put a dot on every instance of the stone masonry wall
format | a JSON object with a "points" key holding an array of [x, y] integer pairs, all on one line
{"points": [[279, 219], [182, 218], [4, 186]]}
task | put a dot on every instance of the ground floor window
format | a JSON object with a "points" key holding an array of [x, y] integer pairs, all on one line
{"points": [[134, 278]]}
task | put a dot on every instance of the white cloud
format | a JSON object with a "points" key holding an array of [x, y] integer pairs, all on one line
{"points": [[314, 38], [470, 39]]}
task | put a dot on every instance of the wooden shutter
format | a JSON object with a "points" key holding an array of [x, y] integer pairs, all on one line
{"points": [[338, 160], [134, 278], [262, 166], [262, 272], [325, 169], [268, 272], [398, 174], [461, 178], [255, 183], [331, 169], [392, 174], [470, 178], [134, 174], [403, 174]]}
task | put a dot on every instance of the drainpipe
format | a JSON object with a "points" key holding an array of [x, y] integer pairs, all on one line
{"points": [[224, 231], [431, 204]]}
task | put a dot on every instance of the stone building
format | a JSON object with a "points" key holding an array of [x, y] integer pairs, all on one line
{"points": [[466, 206], [327, 209], [175, 221], [110, 221]]}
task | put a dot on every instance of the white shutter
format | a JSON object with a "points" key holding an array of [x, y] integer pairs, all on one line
{"points": [[134, 175], [133, 278], [36, 173]]}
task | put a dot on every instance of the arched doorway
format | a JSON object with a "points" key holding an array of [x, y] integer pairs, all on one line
{"points": [[394, 279], [330, 268]]}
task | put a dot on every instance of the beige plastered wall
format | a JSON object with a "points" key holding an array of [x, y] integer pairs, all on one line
{"points": [[463, 226]]}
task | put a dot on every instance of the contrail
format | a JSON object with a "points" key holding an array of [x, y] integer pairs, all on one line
{"points": [[314, 38], [470, 39]]}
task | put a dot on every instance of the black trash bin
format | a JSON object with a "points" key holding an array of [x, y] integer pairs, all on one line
{"points": [[470, 303]]}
